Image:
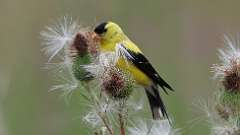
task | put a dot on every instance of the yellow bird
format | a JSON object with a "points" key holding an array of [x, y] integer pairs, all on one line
{"points": [[136, 63]]}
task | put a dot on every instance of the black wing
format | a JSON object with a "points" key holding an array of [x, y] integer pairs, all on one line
{"points": [[141, 62]]}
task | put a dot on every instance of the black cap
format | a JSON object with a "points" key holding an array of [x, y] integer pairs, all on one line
{"points": [[100, 28]]}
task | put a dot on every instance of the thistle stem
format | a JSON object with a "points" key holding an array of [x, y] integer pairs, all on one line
{"points": [[106, 124], [121, 118], [121, 121], [104, 120]]}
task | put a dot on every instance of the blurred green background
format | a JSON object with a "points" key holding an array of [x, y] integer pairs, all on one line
{"points": [[179, 37]]}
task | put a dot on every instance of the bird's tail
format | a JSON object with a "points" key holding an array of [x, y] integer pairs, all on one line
{"points": [[156, 103]]}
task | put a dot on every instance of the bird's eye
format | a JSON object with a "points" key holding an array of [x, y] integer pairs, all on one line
{"points": [[100, 29]]}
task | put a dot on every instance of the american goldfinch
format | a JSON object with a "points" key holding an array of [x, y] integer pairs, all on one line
{"points": [[134, 61]]}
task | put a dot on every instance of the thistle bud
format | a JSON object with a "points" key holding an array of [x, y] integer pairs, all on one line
{"points": [[84, 43], [79, 45], [228, 73], [82, 49], [227, 102], [117, 83], [93, 42]]}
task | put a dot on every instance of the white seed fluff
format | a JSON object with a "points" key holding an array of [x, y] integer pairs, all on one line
{"points": [[59, 35], [229, 57], [155, 127]]}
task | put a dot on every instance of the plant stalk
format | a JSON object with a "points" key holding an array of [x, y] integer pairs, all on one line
{"points": [[104, 120], [121, 118]]}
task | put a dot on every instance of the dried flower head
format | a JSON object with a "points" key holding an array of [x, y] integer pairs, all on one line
{"points": [[82, 50], [117, 83], [224, 110], [113, 81], [84, 43], [232, 79], [71, 43], [79, 45], [228, 71], [93, 41]]}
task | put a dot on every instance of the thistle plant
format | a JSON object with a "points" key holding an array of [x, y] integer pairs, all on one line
{"points": [[224, 111], [106, 88]]}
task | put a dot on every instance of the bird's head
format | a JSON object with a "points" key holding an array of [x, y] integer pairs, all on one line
{"points": [[109, 32]]}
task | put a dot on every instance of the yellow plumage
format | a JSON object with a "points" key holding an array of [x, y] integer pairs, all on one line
{"points": [[108, 44], [135, 63], [137, 74]]}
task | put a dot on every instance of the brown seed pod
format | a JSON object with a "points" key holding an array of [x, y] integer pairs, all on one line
{"points": [[94, 41], [82, 50], [84, 43], [116, 84], [231, 80]]}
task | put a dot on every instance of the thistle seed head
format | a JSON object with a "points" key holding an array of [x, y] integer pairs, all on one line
{"points": [[117, 83], [227, 102], [228, 71], [94, 41], [58, 36], [231, 80], [82, 50], [79, 45], [83, 44]]}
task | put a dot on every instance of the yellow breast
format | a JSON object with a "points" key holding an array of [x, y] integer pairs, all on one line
{"points": [[137, 74]]}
